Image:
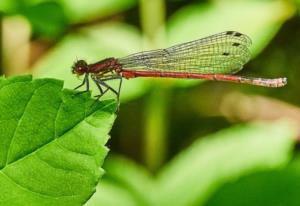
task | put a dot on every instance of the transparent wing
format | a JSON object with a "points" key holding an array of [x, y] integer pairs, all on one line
{"points": [[223, 53]]}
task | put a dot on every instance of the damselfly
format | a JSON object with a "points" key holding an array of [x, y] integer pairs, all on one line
{"points": [[215, 57]]}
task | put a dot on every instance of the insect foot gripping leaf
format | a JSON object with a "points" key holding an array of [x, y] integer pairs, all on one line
{"points": [[51, 142]]}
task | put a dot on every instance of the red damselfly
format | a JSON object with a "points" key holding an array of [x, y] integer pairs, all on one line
{"points": [[215, 57]]}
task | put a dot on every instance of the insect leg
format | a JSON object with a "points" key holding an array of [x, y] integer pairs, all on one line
{"points": [[100, 89], [87, 82], [83, 82], [120, 84], [102, 82]]}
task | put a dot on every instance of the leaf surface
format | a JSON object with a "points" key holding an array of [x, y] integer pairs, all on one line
{"points": [[52, 142], [194, 175]]}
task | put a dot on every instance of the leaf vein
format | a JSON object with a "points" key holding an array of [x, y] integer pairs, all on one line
{"points": [[55, 121], [36, 193], [69, 150], [55, 167], [18, 124], [44, 145]]}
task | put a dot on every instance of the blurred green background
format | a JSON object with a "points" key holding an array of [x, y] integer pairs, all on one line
{"points": [[168, 144]]}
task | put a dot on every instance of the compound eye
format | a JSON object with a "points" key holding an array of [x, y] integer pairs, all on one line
{"points": [[80, 67], [79, 70]]}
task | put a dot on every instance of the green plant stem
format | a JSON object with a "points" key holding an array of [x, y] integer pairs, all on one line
{"points": [[1, 44], [155, 143], [156, 127], [152, 14]]}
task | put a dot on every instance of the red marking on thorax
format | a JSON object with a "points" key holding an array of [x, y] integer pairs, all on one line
{"points": [[108, 64]]}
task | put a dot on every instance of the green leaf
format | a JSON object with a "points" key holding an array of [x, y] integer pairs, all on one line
{"points": [[52, 142], [258, 19], [276, 188], [121, 170], [47, 18], [109, 194], [14, 6], [82, 10], [93, 44], [76, 11], [125, 178], [193, 176], [197, 173], [6, 6]]}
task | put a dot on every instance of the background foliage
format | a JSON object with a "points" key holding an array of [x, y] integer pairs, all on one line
{"points": [[166, 135]]}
